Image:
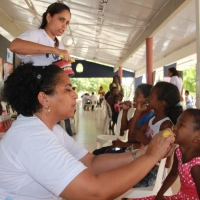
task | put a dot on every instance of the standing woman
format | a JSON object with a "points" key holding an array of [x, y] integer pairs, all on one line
{"points": [[176, 80], [41, 46], [116, 83]]}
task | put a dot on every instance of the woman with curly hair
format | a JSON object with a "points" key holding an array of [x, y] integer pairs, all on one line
{"points": [[38, 160]]}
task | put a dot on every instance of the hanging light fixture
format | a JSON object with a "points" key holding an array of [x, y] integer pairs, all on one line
{"points": [[79, 67], [105, 1]]}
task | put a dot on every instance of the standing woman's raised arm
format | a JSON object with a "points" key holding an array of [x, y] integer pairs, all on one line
{"points": [[25, 47]]}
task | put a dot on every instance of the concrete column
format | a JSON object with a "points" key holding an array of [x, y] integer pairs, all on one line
{"points": [[198, 54], [120, 73], [149, 60]]}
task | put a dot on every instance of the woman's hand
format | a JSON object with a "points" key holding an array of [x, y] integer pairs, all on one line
{"points": [[142, 150], [159, 145], [64, 53], [170, 150]]}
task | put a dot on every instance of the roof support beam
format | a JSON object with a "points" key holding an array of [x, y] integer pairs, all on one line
{"points": [[174, 56], [9, 25], [172, 8]]}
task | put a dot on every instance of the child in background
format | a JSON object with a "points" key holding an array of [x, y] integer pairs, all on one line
{"points": [[141, 115], [188, 99], [121, 101], [101, 93], [141, 93], [115, 110], [164, 99], [186, 159]]}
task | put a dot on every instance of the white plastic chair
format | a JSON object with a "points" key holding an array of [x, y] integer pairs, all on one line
{"points": [[107, 139], [102, 139], [103, 105], [108, 117], [151, 190], [130, 113]]}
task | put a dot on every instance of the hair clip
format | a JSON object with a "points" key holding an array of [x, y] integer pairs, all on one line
{"points": [[39, 76], [39, 73]]}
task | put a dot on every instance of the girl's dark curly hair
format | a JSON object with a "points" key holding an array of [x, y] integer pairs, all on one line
{"points": [[171, 95], [195, 113], [22, 86]]}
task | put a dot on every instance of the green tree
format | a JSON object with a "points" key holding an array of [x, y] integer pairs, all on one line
{"points": [[128, 86], [90, 84], [189, 79]]}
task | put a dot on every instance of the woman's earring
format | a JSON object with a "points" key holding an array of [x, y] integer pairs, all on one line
{"points": [[47, 110]]}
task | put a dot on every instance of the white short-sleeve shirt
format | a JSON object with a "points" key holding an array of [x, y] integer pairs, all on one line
{"points": [[41, 37], [37, 163], [177, 81]]}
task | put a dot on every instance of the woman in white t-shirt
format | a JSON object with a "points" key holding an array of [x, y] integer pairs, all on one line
{"points": [[39, 161], [41, 46], [176, 80]]}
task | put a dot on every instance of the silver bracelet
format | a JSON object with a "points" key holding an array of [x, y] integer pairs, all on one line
{"points": [[134, 154]]}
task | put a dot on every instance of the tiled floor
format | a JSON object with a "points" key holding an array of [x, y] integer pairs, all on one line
{"points": [[90, 124]]}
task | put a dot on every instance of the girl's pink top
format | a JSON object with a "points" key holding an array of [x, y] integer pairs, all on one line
{"points": [[188, 189]]}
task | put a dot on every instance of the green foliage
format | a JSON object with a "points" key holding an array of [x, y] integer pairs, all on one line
{"points": [[90, 85], [128, 86], [189, 79]]}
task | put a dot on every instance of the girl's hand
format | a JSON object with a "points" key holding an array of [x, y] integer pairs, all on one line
{"points": [[159, 145], [126, 105], [64, 53], [141, 106]]}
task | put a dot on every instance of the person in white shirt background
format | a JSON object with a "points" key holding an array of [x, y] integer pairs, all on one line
{"points": [[39, 161], [93, 99], [86, 101], [188, 100], [176, 80], [41, 46]]}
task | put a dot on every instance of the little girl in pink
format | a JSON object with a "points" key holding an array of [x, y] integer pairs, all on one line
{"points": [[186, 159]]}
